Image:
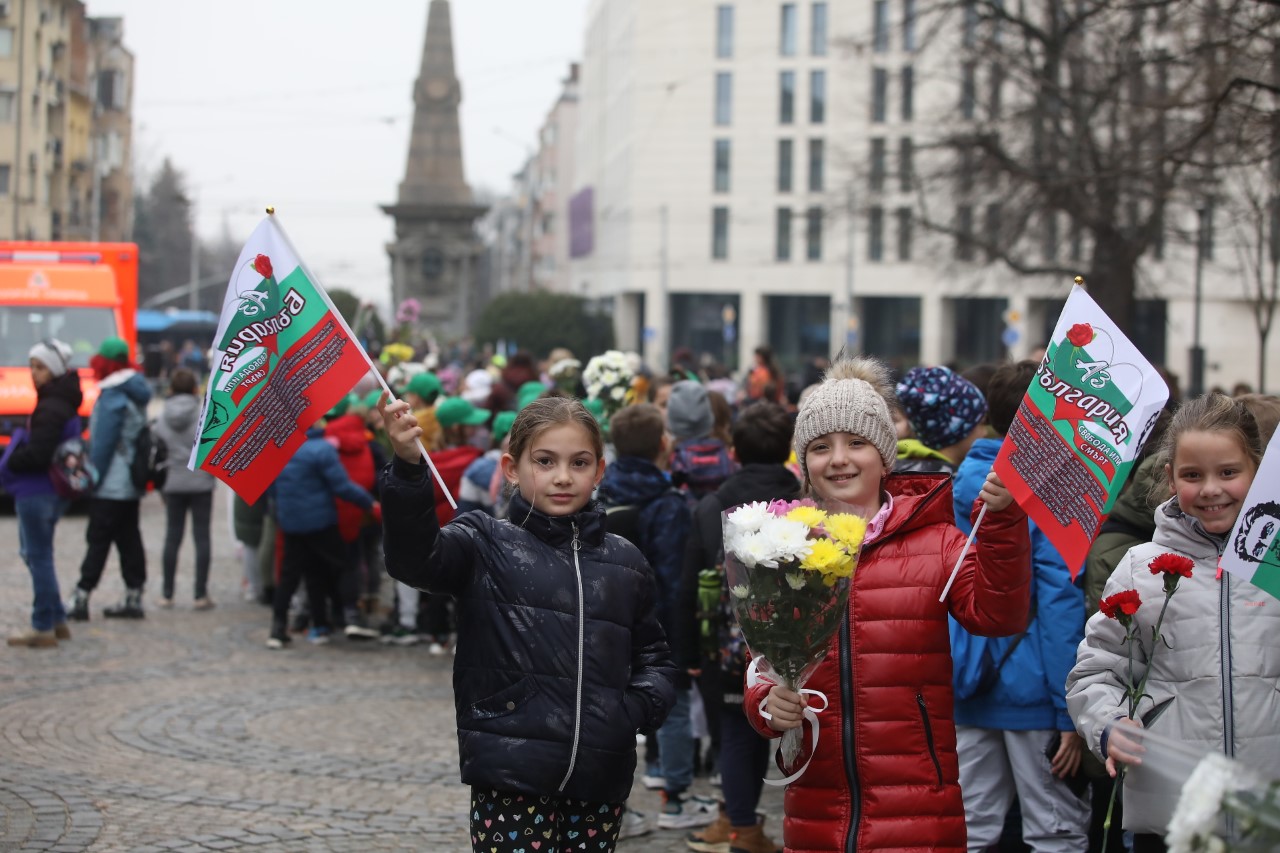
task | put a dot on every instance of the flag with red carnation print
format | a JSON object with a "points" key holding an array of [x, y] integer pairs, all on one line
{"points": [[1090, 407], [1253, 551], [283, 356]]}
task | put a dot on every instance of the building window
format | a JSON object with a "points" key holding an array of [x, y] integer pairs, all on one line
{"points": [[8, 106], [724, 32], [724, 98], [782, 247], [786, 97], [994, 230], [816, 166], [880, 26], [879, 94], [876, 182], [111, 89], [719, 233], [906, 163], [969, 34], [818, 33], [875, 234], [722, 166], [5, 171], [813, 234], [6, 42], [904, 233], [786, 156], [908, 93], [909, 25], [787, 40], [968, 86], [817, 97], [964, 232]]}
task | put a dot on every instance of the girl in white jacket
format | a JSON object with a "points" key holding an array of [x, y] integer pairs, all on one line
{"points": [[1217, 686]]}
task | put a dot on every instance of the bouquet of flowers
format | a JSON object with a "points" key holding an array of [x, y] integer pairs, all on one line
{"points": [[565, 373], [607, 378], [788, 566], [1220, 787]]}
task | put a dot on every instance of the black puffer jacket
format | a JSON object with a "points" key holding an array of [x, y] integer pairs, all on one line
{"points": [[560, 656], [56, 403]]}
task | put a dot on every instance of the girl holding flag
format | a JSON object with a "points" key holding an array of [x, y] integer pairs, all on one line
{"points": [[1216, 684], [885, 774]]}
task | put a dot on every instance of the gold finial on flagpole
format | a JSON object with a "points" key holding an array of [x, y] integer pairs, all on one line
{"points": [[1079, 280], [271, 210]]}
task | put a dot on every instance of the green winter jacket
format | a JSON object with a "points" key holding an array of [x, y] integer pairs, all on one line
{"points": [[1132, 522]]}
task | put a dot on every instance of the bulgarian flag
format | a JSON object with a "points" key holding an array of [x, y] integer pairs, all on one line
{"points": [[1090, 407], [1253, 551]]}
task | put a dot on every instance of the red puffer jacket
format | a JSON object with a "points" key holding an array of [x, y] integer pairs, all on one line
{"points": [[352, 438], [886, 776]]}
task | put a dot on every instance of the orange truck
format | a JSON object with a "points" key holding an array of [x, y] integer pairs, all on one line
{"points": [[79, 293]]}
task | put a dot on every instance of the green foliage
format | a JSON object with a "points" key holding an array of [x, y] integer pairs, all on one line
{"points": [[539, 322], [347, 303]]}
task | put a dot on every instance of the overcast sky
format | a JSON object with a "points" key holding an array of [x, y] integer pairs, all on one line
{"points": [[307, 105]]}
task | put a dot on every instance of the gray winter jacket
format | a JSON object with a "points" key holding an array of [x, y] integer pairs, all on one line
{"points": [[1219, 681], [176, 427], [118, 416]]}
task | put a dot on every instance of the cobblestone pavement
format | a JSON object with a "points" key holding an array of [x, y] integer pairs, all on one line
{"points": [[183, 732]]}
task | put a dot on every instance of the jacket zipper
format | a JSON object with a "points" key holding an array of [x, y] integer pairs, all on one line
{"points": [[846, 722], [577, 711], [1228, 697], [928, 736]]}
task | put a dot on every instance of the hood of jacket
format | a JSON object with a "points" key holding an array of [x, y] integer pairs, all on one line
{"points": [[1132, 507], [64, 388], [557, 531], [1182, 532], [180, 412], [632, 480], [129, 382]]}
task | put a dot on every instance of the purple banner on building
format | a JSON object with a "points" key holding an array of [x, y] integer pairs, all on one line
{"points": [[582, 237]]}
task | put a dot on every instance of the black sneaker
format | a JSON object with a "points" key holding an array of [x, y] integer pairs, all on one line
{"points": [[279, 638], [78, 606], [130, 607]]}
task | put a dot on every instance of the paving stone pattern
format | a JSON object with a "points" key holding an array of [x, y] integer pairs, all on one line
{"points": [[182, 732]]}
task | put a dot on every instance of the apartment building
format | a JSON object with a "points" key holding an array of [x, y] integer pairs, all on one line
{"points": [[65, 123], [748, 173]]}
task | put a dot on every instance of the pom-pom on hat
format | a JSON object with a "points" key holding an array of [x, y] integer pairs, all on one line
{"points": [[689, 412], [852, 399], [114, 349], [943, 406], [53, 354]]}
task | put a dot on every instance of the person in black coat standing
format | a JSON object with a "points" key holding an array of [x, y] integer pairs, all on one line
{"points": [[560, 655], [24, 473]]}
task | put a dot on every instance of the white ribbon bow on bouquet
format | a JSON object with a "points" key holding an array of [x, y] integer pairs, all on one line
{"points": [[811, 713]]}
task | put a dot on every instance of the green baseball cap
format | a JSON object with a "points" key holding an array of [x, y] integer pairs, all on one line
{"points": [[114, 349], [424, 385], [455, 410], [502, 424], [371, 399], [340, 408], [528, 392]]}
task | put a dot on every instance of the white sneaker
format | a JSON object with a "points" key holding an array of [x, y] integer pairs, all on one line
{"points": [[689, 812], [654, 783], [436, 649], [634, 824]]}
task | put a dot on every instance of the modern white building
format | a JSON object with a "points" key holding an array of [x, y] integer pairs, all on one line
{"points": [[743, 175]]}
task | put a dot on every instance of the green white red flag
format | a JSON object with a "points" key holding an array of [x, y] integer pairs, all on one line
{"points": [[1253, 551], [283, 356], [1090, 407]]}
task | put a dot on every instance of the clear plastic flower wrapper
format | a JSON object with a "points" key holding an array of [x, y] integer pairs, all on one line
{"points": [[788, 565]]}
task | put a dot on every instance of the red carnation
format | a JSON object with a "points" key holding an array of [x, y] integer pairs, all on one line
{"points": [[1121, 606], [263, 265], [1080, 334], [1172, 564]]}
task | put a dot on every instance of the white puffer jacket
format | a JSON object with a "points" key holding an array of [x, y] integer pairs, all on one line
{"points": [[1220, 679]]}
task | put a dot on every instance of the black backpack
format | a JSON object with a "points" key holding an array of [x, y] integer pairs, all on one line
{"points": [[624, 520], [150, 460]]}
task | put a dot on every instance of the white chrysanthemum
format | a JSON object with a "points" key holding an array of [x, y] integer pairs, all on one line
{"points": [[790, 539], [749, 517], [1196, 817], [795, 580], [618, 393], [564, 365], [740, 591], [756, 550]]}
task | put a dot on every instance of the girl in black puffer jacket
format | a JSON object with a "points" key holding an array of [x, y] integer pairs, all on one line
{"points": [[560, 658]]}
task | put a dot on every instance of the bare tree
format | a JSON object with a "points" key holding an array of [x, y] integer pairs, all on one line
{"points": [[1082, 125], [162, 230]]}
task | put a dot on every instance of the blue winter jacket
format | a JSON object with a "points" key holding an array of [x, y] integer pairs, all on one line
{"points": [[305, 490], [664, 522], [118, 416], [1031, 691]]}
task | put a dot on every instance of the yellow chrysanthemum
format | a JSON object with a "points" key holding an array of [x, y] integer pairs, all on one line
{"points": [[809, 516], [848, 530], [823, 557]]}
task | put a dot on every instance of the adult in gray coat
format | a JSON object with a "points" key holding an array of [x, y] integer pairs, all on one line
{"points": [[186, 492]]}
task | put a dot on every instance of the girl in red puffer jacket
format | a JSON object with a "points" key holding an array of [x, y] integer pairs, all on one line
{"points": [[884, 774]]}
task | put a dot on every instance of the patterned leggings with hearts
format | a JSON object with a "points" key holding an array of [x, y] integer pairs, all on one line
{"points": [[505, 822]]}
